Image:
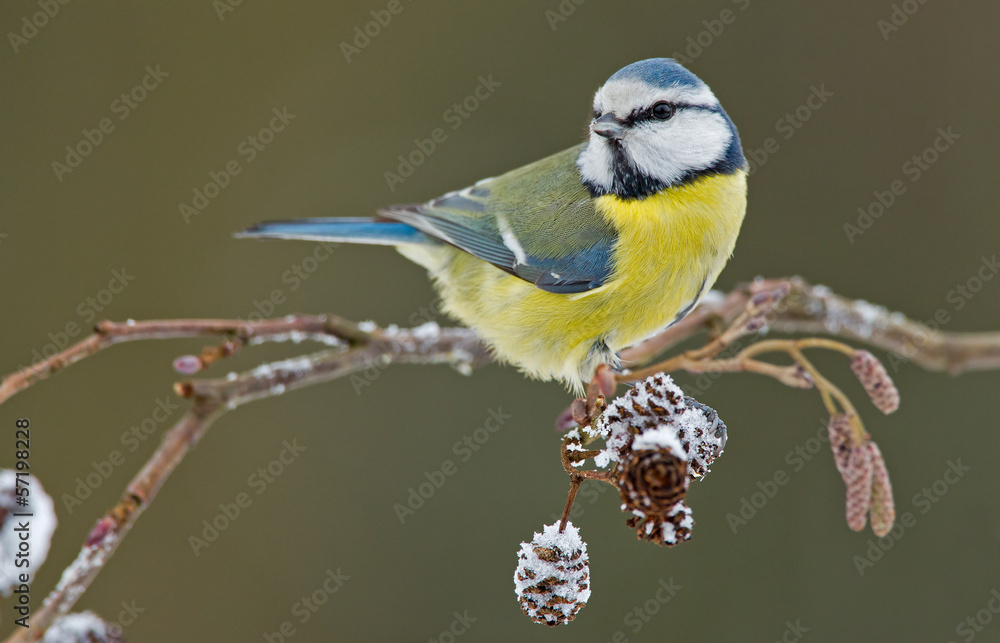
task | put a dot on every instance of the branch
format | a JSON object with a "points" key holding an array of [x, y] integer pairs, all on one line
{"points": [[327, 329], [812, 310], [213, 398], [354, 347]]}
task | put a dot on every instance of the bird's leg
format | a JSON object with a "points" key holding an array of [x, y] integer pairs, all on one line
{"points": [[585, 410], [601, 387]]}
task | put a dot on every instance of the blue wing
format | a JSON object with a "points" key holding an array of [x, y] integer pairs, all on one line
{"points": [[537, 223]]}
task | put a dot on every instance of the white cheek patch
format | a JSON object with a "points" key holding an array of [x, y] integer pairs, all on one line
{"points": [[595, 162], [694, 139]]}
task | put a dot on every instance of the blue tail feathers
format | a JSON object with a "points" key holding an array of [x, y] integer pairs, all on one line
{"points": [[348, 230]]}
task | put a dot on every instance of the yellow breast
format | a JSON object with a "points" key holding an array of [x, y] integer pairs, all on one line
{"points": [[670, 249]]}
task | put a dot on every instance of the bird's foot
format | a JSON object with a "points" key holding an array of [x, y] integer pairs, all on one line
{"points": [[585, 410]]}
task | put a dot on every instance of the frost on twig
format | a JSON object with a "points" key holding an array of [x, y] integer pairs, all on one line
{"points": [[641, 461], [82, 627], [355, 350], [37, 513]]}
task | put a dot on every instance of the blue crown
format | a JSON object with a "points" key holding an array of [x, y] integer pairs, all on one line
{"points": [[659, 72]]}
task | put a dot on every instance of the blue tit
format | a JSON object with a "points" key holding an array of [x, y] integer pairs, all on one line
{"points": [[560, 264]]}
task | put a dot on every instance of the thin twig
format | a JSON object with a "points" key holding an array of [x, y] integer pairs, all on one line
{"points": [[323, 328], [806, 309], [815, 310], [213, 398]]}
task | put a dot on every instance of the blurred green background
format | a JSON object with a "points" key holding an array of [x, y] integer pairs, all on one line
{"points": [[332, 508]]}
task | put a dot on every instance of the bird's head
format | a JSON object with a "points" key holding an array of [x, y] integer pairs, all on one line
{"points": [[656, 125]]}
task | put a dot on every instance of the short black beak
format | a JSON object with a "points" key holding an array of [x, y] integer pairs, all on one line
{"points": [[607, 126]]}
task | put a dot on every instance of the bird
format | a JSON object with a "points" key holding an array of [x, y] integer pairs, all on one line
{"points": [[560, 264]]}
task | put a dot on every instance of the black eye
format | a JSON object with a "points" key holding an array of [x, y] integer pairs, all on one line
{"points": [[663, 110]]}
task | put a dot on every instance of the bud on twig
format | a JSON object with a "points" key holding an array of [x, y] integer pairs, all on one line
{"points": [[858, 479], [841, 440], [760, 305], [863, 469], [876, 381], [883, 507]]}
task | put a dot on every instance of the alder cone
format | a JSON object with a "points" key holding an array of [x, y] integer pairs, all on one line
{"points": [[652, 481]]}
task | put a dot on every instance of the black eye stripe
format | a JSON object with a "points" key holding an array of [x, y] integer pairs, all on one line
{"points": [[645, 114]]}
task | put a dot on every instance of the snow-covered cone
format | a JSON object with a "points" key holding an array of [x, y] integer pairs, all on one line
{"points": [[654, 402], [82, 627], [652, 480], [671, 528], [704, 439], [38, 511], [658, 440], [876, 381], [552, 581]]}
